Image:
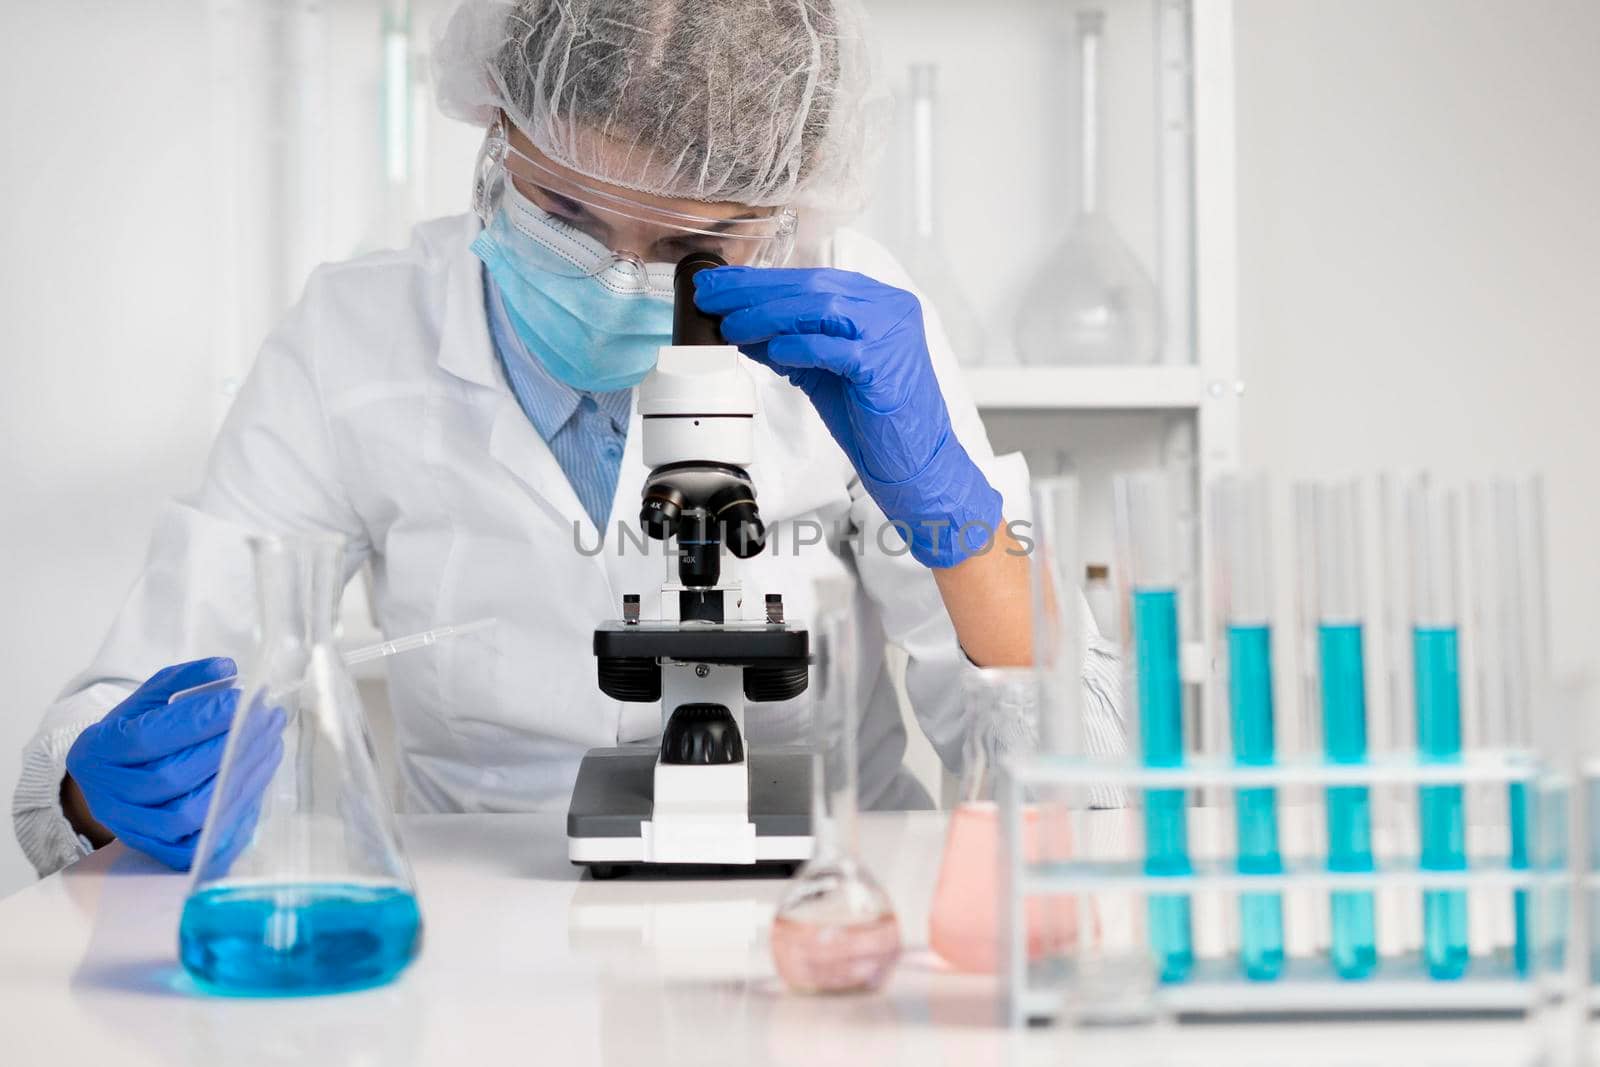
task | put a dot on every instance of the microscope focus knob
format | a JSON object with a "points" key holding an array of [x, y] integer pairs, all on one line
{"points": [[743, 532], [701, 734]]}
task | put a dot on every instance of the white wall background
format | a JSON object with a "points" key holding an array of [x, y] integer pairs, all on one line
{"points": [[1418, 248], [125, 217], [107, 386]]}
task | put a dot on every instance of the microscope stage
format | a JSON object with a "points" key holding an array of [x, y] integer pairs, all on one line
{"points": [[613, 797], [753, 643]]}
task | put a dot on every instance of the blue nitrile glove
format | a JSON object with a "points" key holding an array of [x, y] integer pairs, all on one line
{"points": [[148, 767], [236, 808], [856, 347]]}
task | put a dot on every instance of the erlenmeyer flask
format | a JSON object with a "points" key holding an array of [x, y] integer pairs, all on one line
{"points": [[1001, 708], [299, 882], [925, 257], [835, 930], [1092, 302]]}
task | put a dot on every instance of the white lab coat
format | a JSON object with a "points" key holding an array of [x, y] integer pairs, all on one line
{"points": [[378, 410]]}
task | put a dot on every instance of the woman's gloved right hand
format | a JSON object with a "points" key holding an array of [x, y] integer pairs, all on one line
{"points": [[148, 768]]}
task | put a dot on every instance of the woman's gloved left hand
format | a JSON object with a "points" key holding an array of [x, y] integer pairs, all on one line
{"points": [[856, 348]]}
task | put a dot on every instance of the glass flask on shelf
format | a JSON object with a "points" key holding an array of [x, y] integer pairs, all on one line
{"points": [[835, 930], [1001, 711], [299, 882], [925, 257], [1092, 302]]}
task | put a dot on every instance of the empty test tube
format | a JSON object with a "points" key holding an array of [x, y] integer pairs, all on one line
{"points": [[1432, 524], [1243, 575], [1329, 515], [1147, 522]]}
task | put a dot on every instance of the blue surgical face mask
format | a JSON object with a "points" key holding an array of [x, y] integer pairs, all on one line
{"points": [[595, 332]]}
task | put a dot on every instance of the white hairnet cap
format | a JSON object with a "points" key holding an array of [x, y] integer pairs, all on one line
{"points": [[759, 102]]}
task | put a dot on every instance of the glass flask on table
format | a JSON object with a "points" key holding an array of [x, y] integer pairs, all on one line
{"points": [[299, 883], [1092, 302], [1001, 711], [835, 930]]}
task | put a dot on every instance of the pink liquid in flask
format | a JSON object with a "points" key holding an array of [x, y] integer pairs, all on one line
{"points": [[964, 928], [823, 957]]}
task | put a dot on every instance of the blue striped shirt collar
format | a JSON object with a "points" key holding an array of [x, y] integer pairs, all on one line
{"points": [[551, 402]]}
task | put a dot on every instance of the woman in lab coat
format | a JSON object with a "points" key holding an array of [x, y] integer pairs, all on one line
{"points": [[444, 407]]}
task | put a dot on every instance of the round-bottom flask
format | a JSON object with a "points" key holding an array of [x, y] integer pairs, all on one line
{"points": [[835, 930], [1093, 303]]}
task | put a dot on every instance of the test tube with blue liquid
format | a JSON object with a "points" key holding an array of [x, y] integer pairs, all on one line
{"points": [[1554, 725], [1147, 535], [1512, 653], [1329, 516], [1244, 601], [1433, 538]]}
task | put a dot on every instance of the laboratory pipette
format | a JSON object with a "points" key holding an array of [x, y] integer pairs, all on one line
{"points": [[367, 653], [415, 641]]}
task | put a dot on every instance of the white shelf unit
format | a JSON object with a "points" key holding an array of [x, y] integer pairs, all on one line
{"points": [[1169, 157], [1185, 410], [997, 390]]}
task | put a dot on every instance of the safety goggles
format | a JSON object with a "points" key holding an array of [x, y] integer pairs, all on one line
{"points": [[593, 229]]}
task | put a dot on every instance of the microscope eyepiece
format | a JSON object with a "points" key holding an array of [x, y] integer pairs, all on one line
{"points": [[690, 325], [697, 261]]}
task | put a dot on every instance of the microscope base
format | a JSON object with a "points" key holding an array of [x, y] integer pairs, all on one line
{"points": [[609, 821]]}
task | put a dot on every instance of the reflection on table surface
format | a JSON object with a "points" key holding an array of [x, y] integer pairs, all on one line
{"points": [[523, 957]]}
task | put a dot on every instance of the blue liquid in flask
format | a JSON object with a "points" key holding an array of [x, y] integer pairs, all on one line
{"points": [[1155, 634], [1354, 948], [1250, 690], [298, 939], [1444, 911]]}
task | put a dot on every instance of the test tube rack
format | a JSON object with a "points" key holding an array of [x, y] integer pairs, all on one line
{"points": [[1587, 831], [1399, 985]]}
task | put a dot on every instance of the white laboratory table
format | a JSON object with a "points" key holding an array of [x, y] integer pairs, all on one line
{"points": [[526, 962]]}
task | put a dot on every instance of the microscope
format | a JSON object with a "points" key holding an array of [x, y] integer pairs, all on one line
{"points": [[704, 795]]}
